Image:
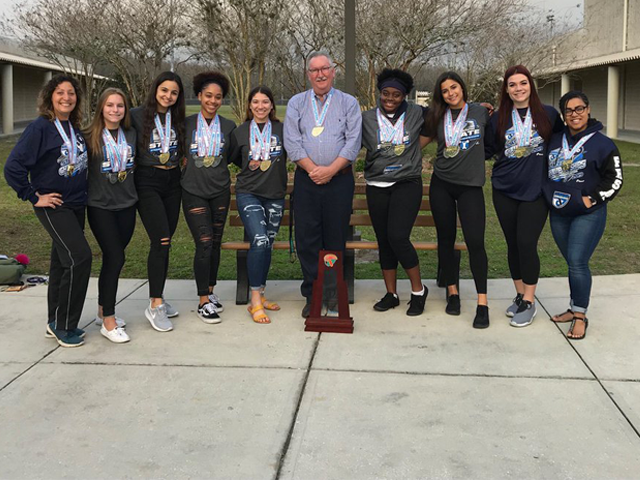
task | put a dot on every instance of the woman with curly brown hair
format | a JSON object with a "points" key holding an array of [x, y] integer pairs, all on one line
{"points": [[48, 167]]}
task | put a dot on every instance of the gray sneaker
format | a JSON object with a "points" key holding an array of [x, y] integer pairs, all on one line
{"points": [[525, 314], [171, 312], [511, 311], [158, 318]]}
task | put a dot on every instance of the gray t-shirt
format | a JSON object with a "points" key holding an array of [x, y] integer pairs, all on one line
{"points": [[382, 163], [202, 179], [467, 167], [105, 188], [149, 149], [270, 183]]}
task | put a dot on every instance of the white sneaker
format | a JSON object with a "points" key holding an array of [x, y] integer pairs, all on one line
{"points": [[119, 322], [213, 298], [117, 335]]}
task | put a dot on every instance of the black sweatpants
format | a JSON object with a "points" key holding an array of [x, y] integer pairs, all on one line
{"points": [[113, 230], [322, 214], [446, 200], [393, 211], [206, 219], [70, 264], [159, 194], [522, 224]]}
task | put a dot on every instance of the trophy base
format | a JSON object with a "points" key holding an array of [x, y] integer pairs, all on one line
{"points": [[329, 324]]}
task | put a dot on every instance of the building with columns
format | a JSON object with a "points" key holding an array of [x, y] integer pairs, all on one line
{"points": [[603, 60]]}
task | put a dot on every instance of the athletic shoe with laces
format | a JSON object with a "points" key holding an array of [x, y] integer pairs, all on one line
{"points": [[390, 300], [158, 318], [513, 308], [453, 305], [171, 312], [119, 322], [117, 335], [416, 304], [213, 298], [65, 338], [525, 314], [208, 314], [78, 331]]}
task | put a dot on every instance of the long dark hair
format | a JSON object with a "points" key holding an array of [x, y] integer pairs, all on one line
{"points": [[266, 91], [45, 103], [438, 105], [538, 113], [177, 109]]}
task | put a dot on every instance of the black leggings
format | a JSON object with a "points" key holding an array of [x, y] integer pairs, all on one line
{"points": [[446, 198], [206, 219], [70, 264], [522, 224], [113, 230], [393, 211], [159, 194]]}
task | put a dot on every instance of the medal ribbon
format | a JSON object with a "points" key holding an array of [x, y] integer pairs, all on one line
{"points": [[209, 137], [260, 141], [116, 152], [522, 130], [165, 135], [319, 118], [68, 140], [389, 132], [568, 153], [453, 131]]}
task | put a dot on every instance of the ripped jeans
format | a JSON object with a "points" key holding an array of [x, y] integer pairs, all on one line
{"points": [[206, 219], [261, 217]]}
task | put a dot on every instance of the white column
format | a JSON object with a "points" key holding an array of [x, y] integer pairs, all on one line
{"points": [[47, 76], [613, 98], [7, 98], [565, 84]]}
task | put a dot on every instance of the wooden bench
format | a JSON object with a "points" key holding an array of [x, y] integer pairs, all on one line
{"points": [[359, 217]]}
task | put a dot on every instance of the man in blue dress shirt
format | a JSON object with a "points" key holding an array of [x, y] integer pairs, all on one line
{"points": [[322, 135]]}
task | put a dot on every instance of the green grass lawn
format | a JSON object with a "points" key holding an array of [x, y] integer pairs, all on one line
{"points": [[618, 252]]}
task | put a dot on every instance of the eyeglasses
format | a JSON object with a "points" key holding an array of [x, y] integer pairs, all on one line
{"points": [[579, 110], [324, 70]]}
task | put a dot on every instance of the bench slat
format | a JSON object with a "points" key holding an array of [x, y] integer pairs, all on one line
{"points": [[355, 245]]}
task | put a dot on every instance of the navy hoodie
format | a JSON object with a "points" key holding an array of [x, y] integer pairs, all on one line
{"points": [[594, 171], [39, 163]]}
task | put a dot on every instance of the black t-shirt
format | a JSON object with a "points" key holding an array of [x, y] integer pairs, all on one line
{"points": [[106, 189], [202, 179], [270, 183], [149, 149]]}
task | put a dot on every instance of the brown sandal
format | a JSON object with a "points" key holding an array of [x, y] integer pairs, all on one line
{"points": [[560, 318], [258, 315], [573, 324]]}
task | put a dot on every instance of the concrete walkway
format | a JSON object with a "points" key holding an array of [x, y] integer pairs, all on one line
{"points": [[422, 397]]}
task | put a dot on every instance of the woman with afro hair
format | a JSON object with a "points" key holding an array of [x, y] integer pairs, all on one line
{"points": [[206, 186], [393, 174]]}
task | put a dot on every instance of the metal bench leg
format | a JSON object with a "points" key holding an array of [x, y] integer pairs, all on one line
{"points": [[349, 273], [242, 285]]}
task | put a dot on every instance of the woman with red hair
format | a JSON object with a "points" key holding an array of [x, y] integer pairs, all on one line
{"points": [[518, 136]]}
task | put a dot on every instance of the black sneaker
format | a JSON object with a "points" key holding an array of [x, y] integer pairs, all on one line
{"points": [[390, 300], [208, 314], [65, 338], [482, 317], [416, 304], [78, 331], [306, 310], [453, 305]]}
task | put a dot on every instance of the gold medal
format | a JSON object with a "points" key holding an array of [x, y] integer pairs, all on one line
{"points": [[122, 176], [164, 157], [398, 149], [208, 161], [264, 165], [317, 131], [70, 168], [450, 152], [521, 152]]}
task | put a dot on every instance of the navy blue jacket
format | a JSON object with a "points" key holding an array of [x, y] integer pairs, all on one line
{"points": [[595, 171], [518, 178], [39, 163]]}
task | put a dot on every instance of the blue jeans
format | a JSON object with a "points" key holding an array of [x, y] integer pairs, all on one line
{"points": [[261, 217], [577, 239]]}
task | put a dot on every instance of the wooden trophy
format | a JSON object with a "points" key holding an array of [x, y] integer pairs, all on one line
{"points": [[329, 289]]}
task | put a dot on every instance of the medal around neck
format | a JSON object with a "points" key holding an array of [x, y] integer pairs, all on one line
{"points": [[209, 140], [317, 131], [264, 165], [319, 117], [390, 134], [523, 132], [450, 152], [164, 157], [71, 144], [165, 136], [398, 149], [453, 131]]}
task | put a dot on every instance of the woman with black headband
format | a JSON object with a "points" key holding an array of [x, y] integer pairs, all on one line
{"points": [[393, 173]]}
